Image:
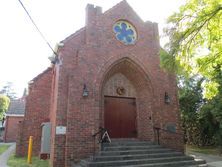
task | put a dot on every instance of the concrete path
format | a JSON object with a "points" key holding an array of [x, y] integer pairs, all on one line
{"points": [[5, 156], [212, 160]]}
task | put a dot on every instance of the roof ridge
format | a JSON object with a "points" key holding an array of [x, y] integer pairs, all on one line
{"points": [[115, 6], [124, 2]]}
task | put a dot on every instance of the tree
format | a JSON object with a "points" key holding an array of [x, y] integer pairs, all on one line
{"points": [[8, 90], [4, 104], [215, 106], [191, 100], [201, 118], [195, 40]]}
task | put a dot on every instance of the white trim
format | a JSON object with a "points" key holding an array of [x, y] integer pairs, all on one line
{"points": [[14, 115]]}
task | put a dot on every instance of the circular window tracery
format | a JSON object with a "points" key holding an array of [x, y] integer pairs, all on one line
{"points": [[125, 32]]}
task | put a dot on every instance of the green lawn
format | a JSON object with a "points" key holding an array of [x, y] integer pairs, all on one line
{"points": [[22, 162], [205, 150], [3, 148]]}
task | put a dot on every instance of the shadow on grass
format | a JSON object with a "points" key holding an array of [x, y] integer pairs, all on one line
{"points": [[204, 150]]}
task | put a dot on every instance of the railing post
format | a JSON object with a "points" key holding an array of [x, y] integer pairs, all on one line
{"points": [[29, 159], [94, 147], [158, 136]]}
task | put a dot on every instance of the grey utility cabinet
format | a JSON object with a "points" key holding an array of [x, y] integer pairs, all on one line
{"points": [[45, 139]]}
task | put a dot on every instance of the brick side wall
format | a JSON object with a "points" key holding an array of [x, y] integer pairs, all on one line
{"points": [[36, 112], [11, 128]]}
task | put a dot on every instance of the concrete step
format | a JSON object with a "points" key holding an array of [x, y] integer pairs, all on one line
{"points": [[133, 152], [136, 156], [140, 161], [125, 140], [201, 165], [122, 148], [188, 163], [128, 143]]}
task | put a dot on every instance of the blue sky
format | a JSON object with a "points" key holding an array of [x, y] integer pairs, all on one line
{"points": [[24, 54]]}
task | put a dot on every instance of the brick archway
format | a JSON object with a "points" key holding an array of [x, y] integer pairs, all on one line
{"points": [[143, 94]]}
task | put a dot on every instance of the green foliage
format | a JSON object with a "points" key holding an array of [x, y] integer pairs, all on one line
{"points": [[4, 104], [190, 98], [190, 94], [201, 118], [211, 89], [167, 61], [194, 51], [195, 35]]}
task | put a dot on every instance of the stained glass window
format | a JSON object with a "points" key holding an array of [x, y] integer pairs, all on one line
{"points": [[125, 32]]}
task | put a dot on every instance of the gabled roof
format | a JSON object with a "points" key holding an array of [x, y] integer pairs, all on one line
{"points": [[121, 4], [16, 107]]}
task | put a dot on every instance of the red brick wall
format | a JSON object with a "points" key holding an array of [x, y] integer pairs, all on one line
{"points": [[36, 112], [93, 55], [11, 128]]}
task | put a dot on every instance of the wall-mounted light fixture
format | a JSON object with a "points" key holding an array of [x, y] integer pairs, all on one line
{"points": [[85, 92], [166, 98]]}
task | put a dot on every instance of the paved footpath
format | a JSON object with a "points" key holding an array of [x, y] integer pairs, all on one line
{"points": [[5, 156], [212, 160]]}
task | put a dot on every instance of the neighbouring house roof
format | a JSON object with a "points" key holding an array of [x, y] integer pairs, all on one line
{"points": [[16, 107]]}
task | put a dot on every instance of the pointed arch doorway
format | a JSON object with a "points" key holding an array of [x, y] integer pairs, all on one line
{"points": [[120, 113], [127, 101]]}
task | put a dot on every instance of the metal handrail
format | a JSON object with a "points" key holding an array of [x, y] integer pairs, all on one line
{"points": [[103, 138], [165, 130]]}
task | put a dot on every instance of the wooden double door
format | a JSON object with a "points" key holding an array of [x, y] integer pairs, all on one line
{"points": [[120, 117]]}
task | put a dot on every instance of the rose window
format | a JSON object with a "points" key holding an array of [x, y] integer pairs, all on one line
{"points": [[125, 32]]}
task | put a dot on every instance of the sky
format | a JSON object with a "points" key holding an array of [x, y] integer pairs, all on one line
{"points": [[24, 54]]}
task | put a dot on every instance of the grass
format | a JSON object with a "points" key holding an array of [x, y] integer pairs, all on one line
{"points": [[3, 148], [22, 162], [204, 150]]}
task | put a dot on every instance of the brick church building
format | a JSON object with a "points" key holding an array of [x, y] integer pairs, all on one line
{"points": [[107, 74]]}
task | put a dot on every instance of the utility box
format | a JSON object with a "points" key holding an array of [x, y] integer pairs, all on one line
{"points": [[45, 140]]}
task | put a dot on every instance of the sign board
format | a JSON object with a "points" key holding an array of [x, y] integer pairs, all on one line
{"points": [[60, 130]]}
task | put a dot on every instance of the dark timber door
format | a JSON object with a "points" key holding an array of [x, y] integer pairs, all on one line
{"points": [[120, 117]]}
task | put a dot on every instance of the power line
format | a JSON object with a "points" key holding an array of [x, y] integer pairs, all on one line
{"points": [[43, 37]]}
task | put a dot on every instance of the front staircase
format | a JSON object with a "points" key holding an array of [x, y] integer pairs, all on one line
{"points": [[134, 153]]}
